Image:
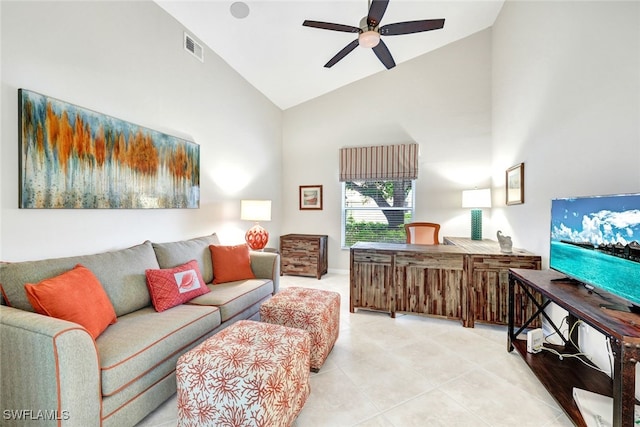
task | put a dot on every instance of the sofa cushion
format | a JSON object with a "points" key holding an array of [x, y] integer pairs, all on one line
{"points": [[121, 274], [76, 296], [173, 286], [144, 339], [172, 254], [231, 263], [234, 297]]}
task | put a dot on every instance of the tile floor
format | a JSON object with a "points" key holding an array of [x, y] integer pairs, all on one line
{"points": [[413, 371]]}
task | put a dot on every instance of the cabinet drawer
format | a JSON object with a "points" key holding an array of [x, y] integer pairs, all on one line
{"points": [[425, 260], [372, 257], [299, 245], [299, 256]]}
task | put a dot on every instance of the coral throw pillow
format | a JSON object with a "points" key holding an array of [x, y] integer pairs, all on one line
{"points": [[231, 263], [76, 296], [174, 286]]}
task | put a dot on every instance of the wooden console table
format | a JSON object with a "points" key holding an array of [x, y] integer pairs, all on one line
{"points": [[462, 279], [622, 330], [303, 255]]}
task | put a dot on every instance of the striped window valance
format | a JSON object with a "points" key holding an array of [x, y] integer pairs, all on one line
{"points": [[382, 162]]}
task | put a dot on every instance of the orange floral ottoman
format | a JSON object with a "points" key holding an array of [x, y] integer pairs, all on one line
{"points": [[314, 310], [249, 374]]}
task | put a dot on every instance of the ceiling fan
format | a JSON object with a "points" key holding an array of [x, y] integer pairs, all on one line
{"points": [[369, 34]]}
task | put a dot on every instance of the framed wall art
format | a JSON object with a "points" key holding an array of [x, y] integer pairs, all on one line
{"points": [[71, 157], [515, 184], [311, 197]]}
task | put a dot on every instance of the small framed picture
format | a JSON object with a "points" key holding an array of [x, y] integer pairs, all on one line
{"points": [[515, 184], [311, 197]]}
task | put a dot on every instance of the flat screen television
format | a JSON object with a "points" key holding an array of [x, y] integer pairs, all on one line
{"points": [[596, 241]]}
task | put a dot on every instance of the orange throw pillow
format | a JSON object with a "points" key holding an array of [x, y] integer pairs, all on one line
{"points": [[76, 296], [231, 263], [173, 286]]}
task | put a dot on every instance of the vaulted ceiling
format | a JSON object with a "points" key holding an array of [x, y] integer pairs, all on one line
{"points": [[285, 61]]}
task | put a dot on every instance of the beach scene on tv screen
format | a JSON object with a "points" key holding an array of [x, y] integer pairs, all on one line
{"points": [[596, 240]]}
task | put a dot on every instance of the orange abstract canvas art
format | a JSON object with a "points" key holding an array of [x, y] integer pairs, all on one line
{"points": [[72, 157]]}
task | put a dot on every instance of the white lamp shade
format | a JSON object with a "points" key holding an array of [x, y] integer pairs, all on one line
{"points": [[476, 198], [255, 210]]}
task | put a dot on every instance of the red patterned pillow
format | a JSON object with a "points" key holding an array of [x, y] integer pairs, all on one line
{"points": [[174, 286]]}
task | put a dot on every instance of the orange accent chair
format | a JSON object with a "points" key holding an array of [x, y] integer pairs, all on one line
{"points": [[422, 233]]}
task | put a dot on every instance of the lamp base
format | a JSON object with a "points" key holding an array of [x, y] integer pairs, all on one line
{"points": [[257, 237], [476, 224]]}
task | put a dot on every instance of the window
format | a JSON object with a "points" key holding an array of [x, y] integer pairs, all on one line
{"points": [[377, 192], [376, 211]]}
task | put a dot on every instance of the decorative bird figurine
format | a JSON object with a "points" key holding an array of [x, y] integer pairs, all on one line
{"points": [[505, 243]]}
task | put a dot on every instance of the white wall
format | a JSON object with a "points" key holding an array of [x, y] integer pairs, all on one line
{"points": [[558, 89], [126, 59], [441, 100], [558, 85], [566, 101]]}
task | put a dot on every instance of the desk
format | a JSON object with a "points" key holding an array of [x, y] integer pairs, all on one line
{"points": [[488, 279], [462, 279], [559, 377]]}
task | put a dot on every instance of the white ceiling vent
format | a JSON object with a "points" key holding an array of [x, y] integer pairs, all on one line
{"points": [[193, 47]]}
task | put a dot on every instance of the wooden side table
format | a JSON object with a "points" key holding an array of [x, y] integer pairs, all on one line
{"points": [[303, 254], [561, 375]]}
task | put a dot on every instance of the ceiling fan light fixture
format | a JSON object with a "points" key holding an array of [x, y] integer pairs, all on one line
{"points": [[369, 39], [369, 32]]}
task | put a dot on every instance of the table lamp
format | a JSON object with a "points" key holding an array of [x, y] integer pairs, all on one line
{"points": [[476, 199], [256, 210]]}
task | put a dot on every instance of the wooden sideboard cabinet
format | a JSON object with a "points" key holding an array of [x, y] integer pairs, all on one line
{"points": [[431, 283], [303, 255], [371, 280], [462, 279], [488, 281], [407, 278]]}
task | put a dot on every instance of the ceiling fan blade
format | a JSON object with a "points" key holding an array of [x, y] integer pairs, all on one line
{"points": [[376, 12], [331, 26], [383, 54], [348, 48], [410, 27]]}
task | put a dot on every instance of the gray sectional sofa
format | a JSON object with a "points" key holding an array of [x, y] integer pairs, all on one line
{"points": [[52, 372]]}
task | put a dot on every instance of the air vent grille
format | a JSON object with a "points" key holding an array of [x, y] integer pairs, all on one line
{"points": [[193, 47]]}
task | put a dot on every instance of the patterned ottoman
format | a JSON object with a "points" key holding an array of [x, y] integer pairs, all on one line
{"points": [[314, 310], [249, 374]]}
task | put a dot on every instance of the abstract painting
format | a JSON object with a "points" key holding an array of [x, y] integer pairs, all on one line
{"points": [[515, 184], [311, 197], [75, 158]]}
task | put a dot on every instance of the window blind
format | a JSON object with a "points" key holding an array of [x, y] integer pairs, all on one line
{"points": [[382, 162]]}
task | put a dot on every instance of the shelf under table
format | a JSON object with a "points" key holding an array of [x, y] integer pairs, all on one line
{"points": [[561, 376], [621, 329]]}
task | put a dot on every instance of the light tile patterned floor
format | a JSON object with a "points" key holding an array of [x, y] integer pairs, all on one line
{"points": [[413, 371]]}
